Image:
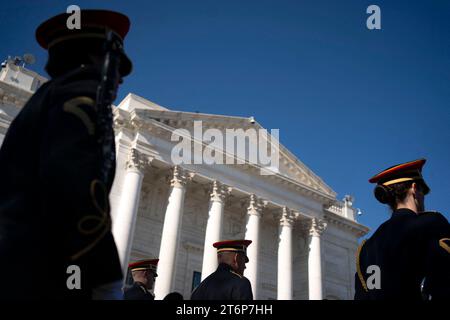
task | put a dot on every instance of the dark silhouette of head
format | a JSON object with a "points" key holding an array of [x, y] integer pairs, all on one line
{"points": [[174, 296]]}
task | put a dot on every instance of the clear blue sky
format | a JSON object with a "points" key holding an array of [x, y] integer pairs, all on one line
{"points": [[349, 102]]}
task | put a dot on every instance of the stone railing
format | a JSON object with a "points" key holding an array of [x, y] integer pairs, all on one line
{"points": [[343, 209], [336, 208]]}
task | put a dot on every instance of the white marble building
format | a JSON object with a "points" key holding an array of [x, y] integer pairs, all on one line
{"points": [[304, 239], [17, 84]]}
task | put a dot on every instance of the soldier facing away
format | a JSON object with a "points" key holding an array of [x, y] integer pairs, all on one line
{"points": [[228, 281], [144, 274], [57, 166], [408, 256]]}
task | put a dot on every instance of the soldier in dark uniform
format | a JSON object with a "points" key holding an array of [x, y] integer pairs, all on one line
{"points": [[228, 281], [57, 166], [408, 256], [144, 274]]}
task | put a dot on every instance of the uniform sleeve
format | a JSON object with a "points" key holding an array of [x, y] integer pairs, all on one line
{"points": [[243, 290], [131, 294], [68, 155], [75, 201], [359, 290], [194, 294], [437, 238], [137, 293]]}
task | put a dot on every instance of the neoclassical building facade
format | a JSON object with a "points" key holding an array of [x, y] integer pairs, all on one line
{"points": [[304, 239]]}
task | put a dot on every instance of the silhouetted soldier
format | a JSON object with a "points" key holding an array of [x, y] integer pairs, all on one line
{"points": [[228, 281], [144, 274], [409, 251], [174, 296], [57, 166]]}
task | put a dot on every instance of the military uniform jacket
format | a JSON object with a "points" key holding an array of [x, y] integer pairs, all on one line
{"points": [[138, 292], [410, 250], [54, 212], [223, 284]]}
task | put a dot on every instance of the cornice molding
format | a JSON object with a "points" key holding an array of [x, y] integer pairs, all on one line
{"points": [[11, 95], [343, 223]]}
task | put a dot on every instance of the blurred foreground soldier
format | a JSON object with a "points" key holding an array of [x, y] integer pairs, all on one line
{"points": [[408, 256], [228, 281], [175, 296], [144, 274], [57, 166]]}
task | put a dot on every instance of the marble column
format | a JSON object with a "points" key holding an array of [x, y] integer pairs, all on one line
{"points": [[285, 290], [254, 214], [170, 233], [125, 219], [214, 227], [317, 227]]}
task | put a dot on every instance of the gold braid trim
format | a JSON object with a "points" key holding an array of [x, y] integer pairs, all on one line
{"points": [[388, 183], [236, 274], [103, 222], [230, 249], [443, 245], [72, 106], [358, 267]]}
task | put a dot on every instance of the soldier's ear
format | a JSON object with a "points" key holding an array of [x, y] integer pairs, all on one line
{"points": [[415, 188]]}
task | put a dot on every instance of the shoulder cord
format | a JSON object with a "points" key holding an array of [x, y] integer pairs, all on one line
{"points": [[443, 245], [103, 222], [358, 267]]}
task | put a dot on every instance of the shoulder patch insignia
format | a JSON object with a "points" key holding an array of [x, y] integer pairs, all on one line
{"points": [[237, 274], [73, 106], [444, 243]]}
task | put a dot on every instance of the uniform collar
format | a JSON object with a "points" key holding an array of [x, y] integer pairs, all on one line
{"points": [[80, 73], [224, 266], [403, 211], [140, 284]]}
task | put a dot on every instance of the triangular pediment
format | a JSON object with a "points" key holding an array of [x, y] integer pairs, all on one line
{"points": [[289, 166]]}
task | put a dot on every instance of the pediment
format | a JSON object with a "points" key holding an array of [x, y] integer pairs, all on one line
{"points": [[289, 166]]}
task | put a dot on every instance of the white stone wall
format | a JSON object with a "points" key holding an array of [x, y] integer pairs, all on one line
{"points": [[339, 249]]}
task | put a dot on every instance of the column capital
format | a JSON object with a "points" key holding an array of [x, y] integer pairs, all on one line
{"points": [[287, 217], [180, 177], [219, 191], [314, 227], [255, 205], [137, 161]]}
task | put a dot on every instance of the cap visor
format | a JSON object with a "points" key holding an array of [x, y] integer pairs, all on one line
{"points": [[426, 188]]}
